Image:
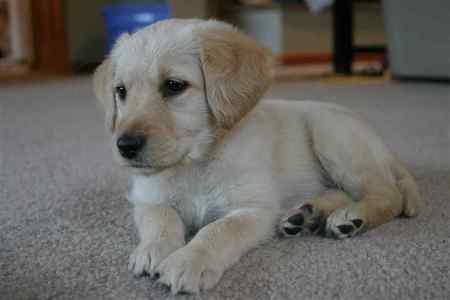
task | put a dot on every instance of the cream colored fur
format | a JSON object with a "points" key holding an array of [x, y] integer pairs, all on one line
{"points": [[218, 163]]}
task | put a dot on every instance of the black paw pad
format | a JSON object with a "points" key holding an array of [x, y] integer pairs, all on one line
{"points": [[183, 292], [303, 219], [296, 220], [357, 222], [292, 231], [345, 228]]}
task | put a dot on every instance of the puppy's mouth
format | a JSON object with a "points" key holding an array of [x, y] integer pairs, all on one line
{"points": [[142, 169], [143, 166], [149, 168]]}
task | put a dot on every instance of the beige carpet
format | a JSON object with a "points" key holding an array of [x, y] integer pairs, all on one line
{"points": [[66, 229]]}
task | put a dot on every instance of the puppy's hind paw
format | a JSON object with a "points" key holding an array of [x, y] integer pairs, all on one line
{"points": [[304, 219], [344, 223]]}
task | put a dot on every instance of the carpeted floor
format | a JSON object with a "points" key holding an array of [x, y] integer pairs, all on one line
{"points": [[66, 229]]}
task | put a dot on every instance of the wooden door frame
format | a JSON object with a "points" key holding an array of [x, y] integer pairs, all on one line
{"points": [[50, 37]]}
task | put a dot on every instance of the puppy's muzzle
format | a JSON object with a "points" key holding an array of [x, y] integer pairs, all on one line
{"points": [[130, 145]]}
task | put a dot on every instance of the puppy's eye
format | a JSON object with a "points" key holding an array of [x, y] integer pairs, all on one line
{"points": [[173, 87], [121, 92]]}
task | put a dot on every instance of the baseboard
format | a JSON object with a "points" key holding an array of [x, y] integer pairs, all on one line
{"points": [[297, 58]]}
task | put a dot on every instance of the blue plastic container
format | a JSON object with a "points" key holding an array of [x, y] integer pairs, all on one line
{"points": [[121, 18]]}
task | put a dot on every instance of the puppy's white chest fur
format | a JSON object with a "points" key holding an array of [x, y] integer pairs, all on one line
{"points": [[268, 153], [197, 197]]}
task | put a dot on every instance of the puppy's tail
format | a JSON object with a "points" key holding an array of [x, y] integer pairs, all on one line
{"points": [[412, 201]]}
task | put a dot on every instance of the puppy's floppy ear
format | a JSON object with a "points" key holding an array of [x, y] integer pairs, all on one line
{"points": [[237, 71], [104, 92]]}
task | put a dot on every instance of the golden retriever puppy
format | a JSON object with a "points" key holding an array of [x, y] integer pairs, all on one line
{"points": [[181, 100]]}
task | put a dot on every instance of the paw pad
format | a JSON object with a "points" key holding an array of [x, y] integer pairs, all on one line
{"points": [[301, 220], [345, 229], [343, 223], [292, 230], [296, 220], [349, 228]]}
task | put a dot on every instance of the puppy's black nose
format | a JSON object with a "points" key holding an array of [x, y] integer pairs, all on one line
{"points": [[130, 145]]}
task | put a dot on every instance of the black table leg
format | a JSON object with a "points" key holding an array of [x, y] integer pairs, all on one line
{"points": [[343, 36]]}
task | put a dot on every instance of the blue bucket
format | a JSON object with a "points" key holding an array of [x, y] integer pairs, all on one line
{"points": [[121, 18]]}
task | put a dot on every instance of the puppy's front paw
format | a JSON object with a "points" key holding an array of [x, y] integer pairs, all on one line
{"points": [[344, 223], [189, 270], [148, 255]]}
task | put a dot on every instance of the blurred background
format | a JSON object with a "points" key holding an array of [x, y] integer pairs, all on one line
{"points": [[311, 38]]}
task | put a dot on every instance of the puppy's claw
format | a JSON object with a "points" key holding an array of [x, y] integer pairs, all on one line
{"points": [[164, 284], [155, 276]]}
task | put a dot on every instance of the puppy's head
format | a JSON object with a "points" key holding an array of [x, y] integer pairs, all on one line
{"points": [[167, 88]]}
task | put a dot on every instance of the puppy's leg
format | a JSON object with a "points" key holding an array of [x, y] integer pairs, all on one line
{"points": [[161, 232], [310, 217], [200, 264], [408, 187], [380, 203], [359, 163]]}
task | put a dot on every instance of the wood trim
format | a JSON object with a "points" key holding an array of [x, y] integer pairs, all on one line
{"points": [[322, 58], [51, 50], [304, 58]]}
